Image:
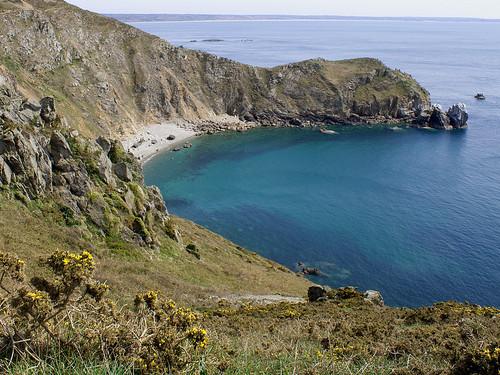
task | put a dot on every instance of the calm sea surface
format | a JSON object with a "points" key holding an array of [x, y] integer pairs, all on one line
{"points": [[412, 213]]}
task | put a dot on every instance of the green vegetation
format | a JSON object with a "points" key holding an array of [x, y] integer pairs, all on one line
{"points": [[65, 315], [63, 322], [10, 63], [38, 228], [68, 310]]}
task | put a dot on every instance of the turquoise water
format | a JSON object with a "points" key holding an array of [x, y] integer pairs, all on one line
{"points": [[412, 213]]}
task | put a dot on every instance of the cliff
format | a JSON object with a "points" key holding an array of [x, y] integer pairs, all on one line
{"points": [[110, 78]]}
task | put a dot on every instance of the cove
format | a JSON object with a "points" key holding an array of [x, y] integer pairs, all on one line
{"points": [[412, 213]]}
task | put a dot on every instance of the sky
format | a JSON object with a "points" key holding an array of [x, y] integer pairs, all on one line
{"points": [[392, 8]]}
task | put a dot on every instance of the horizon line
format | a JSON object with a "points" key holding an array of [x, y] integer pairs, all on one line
{"points": [[305, 16]]}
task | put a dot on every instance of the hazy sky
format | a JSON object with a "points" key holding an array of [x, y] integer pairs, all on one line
{"points": [[418, 8]]}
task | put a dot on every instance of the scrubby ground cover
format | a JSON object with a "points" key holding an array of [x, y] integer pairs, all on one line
{"points": [[62, 321]]}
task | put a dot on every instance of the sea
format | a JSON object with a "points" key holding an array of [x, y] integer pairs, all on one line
{"points": [[412, 213]]}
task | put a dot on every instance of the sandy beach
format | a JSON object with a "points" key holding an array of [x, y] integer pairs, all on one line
{"points": [[154, 138]]}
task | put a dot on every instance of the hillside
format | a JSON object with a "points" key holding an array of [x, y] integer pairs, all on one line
{"points": [[111, 78], [91, 261]]}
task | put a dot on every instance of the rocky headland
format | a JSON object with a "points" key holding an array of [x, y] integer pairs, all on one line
{"points": [[112, 79]]}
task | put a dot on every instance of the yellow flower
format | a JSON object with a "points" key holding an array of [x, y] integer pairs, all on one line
{"points": [[198, 336], [34, 295]]}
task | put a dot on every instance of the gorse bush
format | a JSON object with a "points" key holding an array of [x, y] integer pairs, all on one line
{"points": [[68, 310]]}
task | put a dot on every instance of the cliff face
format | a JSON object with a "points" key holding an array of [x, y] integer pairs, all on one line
{"points": [[108, 77], [94, 184]]}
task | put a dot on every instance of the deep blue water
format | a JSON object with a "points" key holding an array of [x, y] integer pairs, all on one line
{"points": [[412, 213]]}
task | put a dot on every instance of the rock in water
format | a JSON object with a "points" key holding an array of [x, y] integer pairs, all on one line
{"points": [[455, 118], [439, 119], [458, 116]]}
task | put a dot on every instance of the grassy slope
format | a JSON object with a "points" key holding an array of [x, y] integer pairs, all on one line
{"points": [[224, 268]]}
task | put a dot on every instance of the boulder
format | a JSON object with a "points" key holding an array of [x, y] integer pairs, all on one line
{"points": [[316, 293], [78, 182], [374, 297], [106, 170], [458, 116], [123, 172], [155, 196], [104, 143], [48, 110]]}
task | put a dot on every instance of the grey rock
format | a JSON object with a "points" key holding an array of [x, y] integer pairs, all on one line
{"points": [[123, 172], [154, 195], [315, 293], [374, 297], [28, 160], [439, 119], [5, 172], [48, 110], [59, 147], [78, 182], [106, 170], [458, 116], [27, 105], [104, 143]]}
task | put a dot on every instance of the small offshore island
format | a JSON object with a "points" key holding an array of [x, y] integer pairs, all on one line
{"points": [[91, 259]]}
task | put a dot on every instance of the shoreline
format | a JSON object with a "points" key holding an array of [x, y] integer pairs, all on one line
{"points": [[153, 140]]}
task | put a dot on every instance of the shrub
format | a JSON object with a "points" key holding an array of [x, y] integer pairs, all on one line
{"points": [[67, 313], [193, 250], [139, 227]]}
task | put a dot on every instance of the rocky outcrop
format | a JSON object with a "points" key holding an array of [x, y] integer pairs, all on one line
{"points": [[96, 181], [317, 293], [48, 110], [455, 118], [458, 116]]}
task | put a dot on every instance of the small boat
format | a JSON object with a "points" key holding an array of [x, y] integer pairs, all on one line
{"points": [[480, 96], [327, 131]]}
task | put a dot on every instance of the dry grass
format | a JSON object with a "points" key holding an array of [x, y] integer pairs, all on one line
{"points": [[224, 268], [351, 337], [336, 337]]}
